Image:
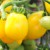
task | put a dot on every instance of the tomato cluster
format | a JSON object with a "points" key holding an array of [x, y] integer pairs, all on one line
{"points": [[17, 27]]}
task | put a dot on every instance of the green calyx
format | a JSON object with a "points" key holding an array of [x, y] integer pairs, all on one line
{"points": [[22, 10]]}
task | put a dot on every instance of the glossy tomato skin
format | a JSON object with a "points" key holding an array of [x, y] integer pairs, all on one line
{"points": [[45, 22], [16, 27], [3, 37], [35, 29]]}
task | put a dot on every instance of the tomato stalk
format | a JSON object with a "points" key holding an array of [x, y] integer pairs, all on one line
{"points": [[8, 4], [45, 7], [25, 4]]}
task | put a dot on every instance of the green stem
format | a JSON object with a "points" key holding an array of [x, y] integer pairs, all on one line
{"points": [[44, 7], [48, 39], [8, 4], [14, 2], [3, 14]]}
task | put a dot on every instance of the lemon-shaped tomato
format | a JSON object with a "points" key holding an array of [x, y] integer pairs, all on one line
{"points": [[16, 27], [47, 6], [35, 29], [3, 37], [7, 9], [45, 22]]}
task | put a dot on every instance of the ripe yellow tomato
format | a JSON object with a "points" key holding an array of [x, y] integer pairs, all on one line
{"points": [[16, 27], [35, 29], [3, 37], [8, 9], [47, 6]]}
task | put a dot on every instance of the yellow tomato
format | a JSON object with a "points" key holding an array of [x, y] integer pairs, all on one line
{"points": [[35, 29], [16, 27], [3, 37], [8, 9], [47, 6]]}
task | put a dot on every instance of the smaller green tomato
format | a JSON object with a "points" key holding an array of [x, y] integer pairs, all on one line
{"points": [[45, 22]]}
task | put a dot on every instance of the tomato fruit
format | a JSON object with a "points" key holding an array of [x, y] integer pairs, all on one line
{"points": [[35, 30], [3, 37], [16, 26], [45, 22]]}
